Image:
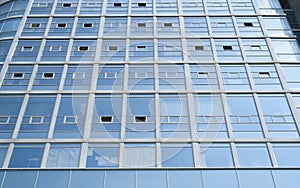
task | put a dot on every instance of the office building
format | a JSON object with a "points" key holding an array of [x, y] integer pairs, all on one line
{"points": [[148, 93]]}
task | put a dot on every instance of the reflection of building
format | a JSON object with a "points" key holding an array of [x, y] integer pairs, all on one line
{"points": [[177, 93]]}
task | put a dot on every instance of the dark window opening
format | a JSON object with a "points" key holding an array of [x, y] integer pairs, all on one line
{"points": [[106, 119], [227, 47], [140, 119], [248, 24], [141, 4], [67, 5], [117, 4]]}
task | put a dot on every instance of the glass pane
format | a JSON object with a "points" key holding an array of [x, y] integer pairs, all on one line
{"points": [[124, 179], [25, 179], [255, 178], [185, 178], [50, 179], [90, 179], [145, 179], [220, 178]]}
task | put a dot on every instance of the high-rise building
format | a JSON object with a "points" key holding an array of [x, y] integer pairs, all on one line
{"points": [[149, 93]]}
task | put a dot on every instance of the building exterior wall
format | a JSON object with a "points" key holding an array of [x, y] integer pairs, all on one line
{"points": [[148, 93]]}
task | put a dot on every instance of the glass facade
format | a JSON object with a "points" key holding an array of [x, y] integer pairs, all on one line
{"points": [[119, 93]]}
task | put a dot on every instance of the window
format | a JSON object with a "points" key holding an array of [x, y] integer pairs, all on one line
{"points": [[4, 119], [227, 47], [255, 47], [27, 48], [264, 74], [17, 75], [83, 48], [70, 119], [142, 4], [233, 75], [35, 25], [141, 48], [221, 24], [169, 48], [171, 75], [113, 48], [55, 48], [140, 119], [192, 4], [36, 119], [199, 48], [87, 25], [141, 24], [106, 119], [110, 75], [202, 74], [48, 75], [168, 24], [42, 5], [117, 4], [67, 5], [217, 4], [248, 24], [61, 25], [78, 75], [140, 74]]}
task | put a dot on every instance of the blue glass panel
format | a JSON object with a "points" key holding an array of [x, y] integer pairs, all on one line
{"points": [[26, 156], [15, 179], [220, 178], [177, 156], [185, 178], [124, 179], [286, 178], [51, 179], [90, 179], [145, 179], [255, 178]]}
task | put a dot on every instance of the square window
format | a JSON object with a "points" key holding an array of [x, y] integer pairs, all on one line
{"points": [[241, 4], [36, 119], [140, 119], [142, 4], [217, 4], [173, 119], [255, 47], [199, 48], [87, 25], [221, 24], [110, 75], [168, 24], [61, 25], [264, 75], [90, 4], [169, 48], [42, 5], [35, 25], [202, 74], [166, 4], [171, 74], [70, 119], [248, 24], [17, 75], [4, 119], [233, 75], [141, 24], [278, 119], [140, 74], [141, 48], [67, 5], [113, 48], [117, 4], [83, 48], [192, 4], [27, 48], [48, 75], [78, 75], [55, 48], [226, 47], [106, 119]]}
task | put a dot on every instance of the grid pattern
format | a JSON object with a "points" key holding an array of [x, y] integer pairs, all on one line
{"points": [[125, 78]]}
